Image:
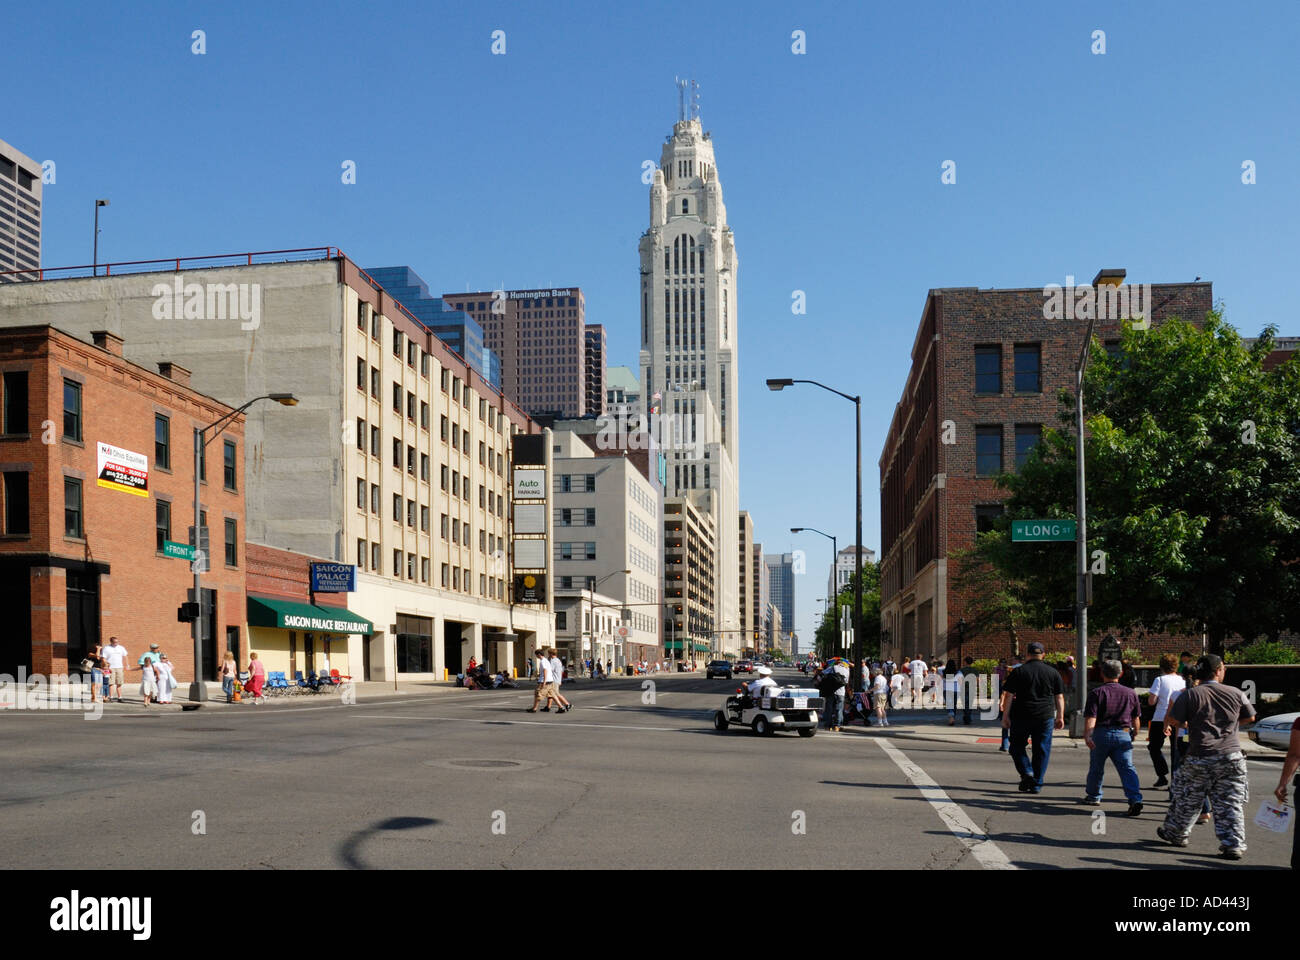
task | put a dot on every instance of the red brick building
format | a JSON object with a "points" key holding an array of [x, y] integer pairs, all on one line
{"points": [[987, 366], [97, 463]]}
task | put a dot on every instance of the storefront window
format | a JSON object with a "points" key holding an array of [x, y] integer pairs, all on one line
{"points": [[414, 644]]}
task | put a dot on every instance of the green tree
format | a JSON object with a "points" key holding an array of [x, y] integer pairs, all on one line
{"points": [[993, 603], [1193, 471], [827, 638]]}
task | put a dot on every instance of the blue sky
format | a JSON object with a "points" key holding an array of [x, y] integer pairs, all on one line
{"points": [[523, 170]]}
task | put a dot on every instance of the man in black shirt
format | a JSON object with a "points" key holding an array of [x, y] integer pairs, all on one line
{"points": [[1033, 705]]}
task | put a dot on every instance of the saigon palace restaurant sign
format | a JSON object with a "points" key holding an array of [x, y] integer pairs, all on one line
{"points": [[123, 470]]}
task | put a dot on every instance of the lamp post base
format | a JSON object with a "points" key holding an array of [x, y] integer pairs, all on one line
{"points": [[1076, 725], [198, 692]]}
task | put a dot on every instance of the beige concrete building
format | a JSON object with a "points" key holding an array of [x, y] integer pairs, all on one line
{"points": [[689, 585], [396, 457], [20, 213]]}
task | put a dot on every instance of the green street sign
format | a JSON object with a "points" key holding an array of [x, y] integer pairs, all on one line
{"points": [[180, 551], [1039, 531]]}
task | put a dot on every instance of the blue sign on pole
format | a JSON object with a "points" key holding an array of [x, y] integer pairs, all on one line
{"points": [[333, 577]]}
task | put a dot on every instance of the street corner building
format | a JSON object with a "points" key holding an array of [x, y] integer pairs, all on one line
{"points": [[987, 366], [97, 458], [397, 457]]}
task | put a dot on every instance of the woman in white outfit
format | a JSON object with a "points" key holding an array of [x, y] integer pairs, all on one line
{"points": [[148, 680], [166, 679]]}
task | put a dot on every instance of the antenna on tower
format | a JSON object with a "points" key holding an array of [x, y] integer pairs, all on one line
{"points": [[695, 100], [681, 98]]}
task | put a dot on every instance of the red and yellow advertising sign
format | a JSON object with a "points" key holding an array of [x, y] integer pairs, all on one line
{"points": [[123, 470]]}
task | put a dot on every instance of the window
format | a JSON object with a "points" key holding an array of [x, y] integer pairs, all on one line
{"points": [[397, 507], [361, 374], [162, 514], [361, 554], [397, 453], [410, 353], [72, 526], [374, 382], [482, 409], [443, 471], [397, 342], [455, 483], [375, 436], [482, 496], [424, 569], [988, 451], [482, 541], [162, 442], [455, 388], [986, 516], [445, 524], [444, 390], [397, 564], [455, 578], [424, 519], [375, 564], [397, 398], [410, 407], [361, 435], [232, 545], [424, 467], [361, 315], [15, 402], [228, 465], [16, 505], [71, 410], [424, 415], [482, 453], [444, 574], [410, 566], [374, 499], [1027, 437], [988, 369], [443, 426], [455, 531], [424, 372], [1028, 361]]}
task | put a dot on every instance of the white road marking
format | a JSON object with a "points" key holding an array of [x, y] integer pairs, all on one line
{"points": [[984, 850], [566, 723]]}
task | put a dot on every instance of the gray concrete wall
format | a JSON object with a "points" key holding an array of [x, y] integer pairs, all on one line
{"points": [[292, 465]]}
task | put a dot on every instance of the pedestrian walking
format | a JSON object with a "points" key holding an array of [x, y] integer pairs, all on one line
{"points": [[1215, 766], [115, 655], [1186, 667], [896, 684], [880, 697], [228, 671], [1163, 689], [148, 675], [1033, 705], [166, 680], [969, 689], [1112, 716], [918, 669], [543, 678], [557, 677], [256, 677], [951, 689], [1289, 766], [98, 674]]}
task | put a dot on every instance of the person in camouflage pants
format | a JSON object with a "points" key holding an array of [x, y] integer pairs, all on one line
{"points": [[1214, 764], [1223, 780]]}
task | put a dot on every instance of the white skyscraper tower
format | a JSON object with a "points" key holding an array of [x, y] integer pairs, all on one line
{"points": [[689, 335]]}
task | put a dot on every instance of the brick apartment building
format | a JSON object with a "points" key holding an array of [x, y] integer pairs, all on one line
{"points": [[989, 362], [97, 459]]}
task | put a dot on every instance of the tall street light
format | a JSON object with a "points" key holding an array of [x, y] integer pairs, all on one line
{"points": [[1112, 278], [199, 688], [95, 254], [856, 675], [835, 557], [592, 583]]}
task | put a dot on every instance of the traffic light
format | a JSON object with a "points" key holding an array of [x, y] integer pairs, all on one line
{"points": [[187, 613]]}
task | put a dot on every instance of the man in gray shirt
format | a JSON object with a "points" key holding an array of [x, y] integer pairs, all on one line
{"points": [[1214, 765]]}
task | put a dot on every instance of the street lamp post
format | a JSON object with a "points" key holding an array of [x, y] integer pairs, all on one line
{"points": [[199, 688], [835, 558], [95, 254], [1108, 278], [856, 675]]}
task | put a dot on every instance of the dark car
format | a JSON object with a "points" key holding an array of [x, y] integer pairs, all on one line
{"points": [[717, 668]]}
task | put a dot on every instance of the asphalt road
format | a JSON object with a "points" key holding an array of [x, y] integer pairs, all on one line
{"points": [[467, 779]]}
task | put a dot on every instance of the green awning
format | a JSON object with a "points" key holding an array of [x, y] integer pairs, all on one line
{"points": [[288, 615]]}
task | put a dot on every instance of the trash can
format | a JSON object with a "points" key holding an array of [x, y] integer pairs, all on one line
{"points": [[628, 669], [681, 666]]}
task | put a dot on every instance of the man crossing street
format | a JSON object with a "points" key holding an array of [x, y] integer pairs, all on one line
{"points": [[1033, 705]]}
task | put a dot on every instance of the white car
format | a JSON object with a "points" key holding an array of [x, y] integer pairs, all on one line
{"points": [[786, 708], [1274, 731]]}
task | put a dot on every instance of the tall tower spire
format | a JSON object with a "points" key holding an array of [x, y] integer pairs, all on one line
{"points": [[689, 335]]}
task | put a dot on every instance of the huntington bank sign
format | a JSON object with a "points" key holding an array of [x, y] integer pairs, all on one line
{"points": [[1103, 302]]}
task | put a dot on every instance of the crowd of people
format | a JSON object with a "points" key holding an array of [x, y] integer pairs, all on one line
{"points": [[108, 673]]}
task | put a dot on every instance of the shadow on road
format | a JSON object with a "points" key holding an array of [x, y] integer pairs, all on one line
{"points": [[348, 852]]}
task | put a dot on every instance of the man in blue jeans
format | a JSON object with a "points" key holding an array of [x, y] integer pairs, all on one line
{"points": [[1112, 711], [1033, 705]]}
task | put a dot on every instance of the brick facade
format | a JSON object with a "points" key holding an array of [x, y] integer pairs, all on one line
{"points": [[111, 580], [930, 489]]}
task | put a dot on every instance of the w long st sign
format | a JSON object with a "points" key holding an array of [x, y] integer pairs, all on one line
{"points": [[1043, 531]]}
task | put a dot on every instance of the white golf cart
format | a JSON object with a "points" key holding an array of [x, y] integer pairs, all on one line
{"points": [[786, 708]]}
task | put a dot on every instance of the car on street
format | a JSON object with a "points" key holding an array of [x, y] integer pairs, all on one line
{"points": [[1274, 731], [745, 666], [717, 668]]}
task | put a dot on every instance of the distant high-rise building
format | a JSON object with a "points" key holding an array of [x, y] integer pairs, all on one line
{"points": [[455, 328], [20, 212], [749, 636], [780, 585], [594, 361], [842, 573], [689, 338], [540, 338], [622, 391]]}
